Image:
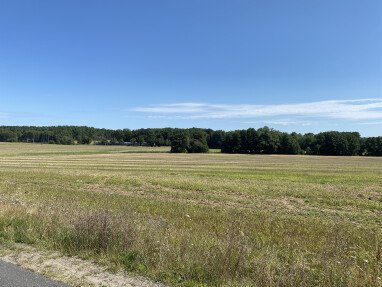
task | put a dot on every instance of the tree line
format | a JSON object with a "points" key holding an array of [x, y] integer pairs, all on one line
{"points": [[250, 141]]}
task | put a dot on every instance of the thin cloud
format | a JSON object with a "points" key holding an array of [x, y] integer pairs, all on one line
{"points": [[4, 115], [280, 123], [371, 123], [360, 109]]}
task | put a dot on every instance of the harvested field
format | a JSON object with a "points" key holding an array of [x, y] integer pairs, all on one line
{"points": [[198, 219]]}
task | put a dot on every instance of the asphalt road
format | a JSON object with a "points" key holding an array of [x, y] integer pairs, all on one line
{"points": [[15, 276]]}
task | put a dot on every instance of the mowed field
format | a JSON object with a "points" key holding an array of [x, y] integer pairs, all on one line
{"points": [[198, 219]]}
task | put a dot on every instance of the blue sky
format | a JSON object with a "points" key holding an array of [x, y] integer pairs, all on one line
{"points": [[292, 65]]}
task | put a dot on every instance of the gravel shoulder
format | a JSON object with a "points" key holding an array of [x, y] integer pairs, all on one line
{"points": [[70, 270]]}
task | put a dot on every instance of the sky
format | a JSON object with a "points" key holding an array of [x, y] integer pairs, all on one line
{"points": [[296, 65]]}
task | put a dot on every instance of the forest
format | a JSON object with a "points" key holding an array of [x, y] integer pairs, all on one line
{"points": [[195, 140]]}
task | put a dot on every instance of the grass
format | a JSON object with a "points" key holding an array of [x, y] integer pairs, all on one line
{"points": [[199, 219]]}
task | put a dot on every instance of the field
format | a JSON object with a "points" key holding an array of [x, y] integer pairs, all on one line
{"points": [[198, 219]]}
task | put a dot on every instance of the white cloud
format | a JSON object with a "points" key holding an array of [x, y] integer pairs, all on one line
{"points": [[360, 109]]}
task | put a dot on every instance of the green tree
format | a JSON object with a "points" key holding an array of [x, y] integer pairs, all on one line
{"points": [[180, 141], [289, 144], [198, 141], [268, 140]]}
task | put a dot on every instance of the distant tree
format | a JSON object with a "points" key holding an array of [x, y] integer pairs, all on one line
{"points": [[373, 146], [117, 136], [126, 135], [198, 141], [338, 143], [308, 144], [180, 141], [215, 139], [289, 144], [150, 137], [7, 136], [268, 140], [252, 141], [353, 143], [263, 140], [232, 142], [196, 146]]}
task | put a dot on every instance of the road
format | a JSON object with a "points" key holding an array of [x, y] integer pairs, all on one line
{"points": [[15, 276]]}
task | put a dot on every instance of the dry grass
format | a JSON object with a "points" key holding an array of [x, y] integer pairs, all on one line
{"points": [[199, 220]]}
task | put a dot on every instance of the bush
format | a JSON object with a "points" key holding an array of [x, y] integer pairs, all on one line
{"points": [[197, 146]]}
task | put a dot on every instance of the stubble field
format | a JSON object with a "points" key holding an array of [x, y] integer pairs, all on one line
{"points": [[198, 219]]}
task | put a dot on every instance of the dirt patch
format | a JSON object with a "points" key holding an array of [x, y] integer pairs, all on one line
{"points": [[290, 204], [70, 270]]}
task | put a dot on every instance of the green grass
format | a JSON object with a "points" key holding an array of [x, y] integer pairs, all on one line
{"points": [[199, 219]]}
